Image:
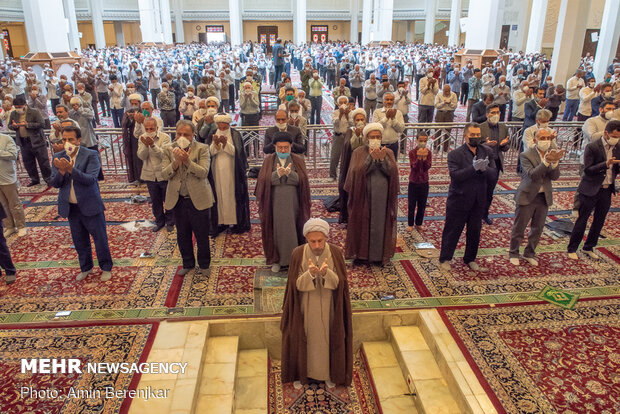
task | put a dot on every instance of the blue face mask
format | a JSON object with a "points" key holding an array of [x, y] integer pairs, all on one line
{"points": [[283, 155]]}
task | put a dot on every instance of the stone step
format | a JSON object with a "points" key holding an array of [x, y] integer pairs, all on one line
{"points": [[251, 389], [387, 376], [217, 382], [174, 342], [422, 372]]}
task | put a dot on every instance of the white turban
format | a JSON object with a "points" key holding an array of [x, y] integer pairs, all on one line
{"points": [[222, 118], [214, 99], [358, 111], [135, 97], [316, 224], [75, 100], [373, 126]]}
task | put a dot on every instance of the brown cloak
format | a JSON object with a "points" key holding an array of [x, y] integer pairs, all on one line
{"points": [[345, 159], [263, 199], [356, 244], [294, 347]]}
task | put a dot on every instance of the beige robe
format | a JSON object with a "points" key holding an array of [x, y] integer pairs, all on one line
{"points": [[223, 168], [316, 306]]}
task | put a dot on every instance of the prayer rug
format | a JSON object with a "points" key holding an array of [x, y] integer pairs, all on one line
{"points": [[128, 343], [114, 211], [543, 358], [358, 398], [499, 276]]}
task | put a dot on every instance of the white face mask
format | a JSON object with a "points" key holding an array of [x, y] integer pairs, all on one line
{"points": [[20, 110], [343, 107], [543, 125], [151, 134], [609, 115], [422, 144], [607, 94], [429, 75], [360, 124], [70, 148], [183, 142], [543, 145], [4, 83], [165, 89], [526, 88], [374, 143], [401, 90], [281, 126], [502, 84], [494, 119], [294, 115], [211, 111], [131, 90], [190, 94], [612, 141]]}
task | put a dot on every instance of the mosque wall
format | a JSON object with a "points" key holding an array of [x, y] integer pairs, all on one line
{"points": [[250, 28], [342, 29]]}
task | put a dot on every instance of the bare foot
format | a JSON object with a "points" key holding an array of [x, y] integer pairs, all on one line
{"points": [[419, 228], [409, 228]]}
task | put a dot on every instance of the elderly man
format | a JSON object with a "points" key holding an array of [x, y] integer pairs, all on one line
{"points": [[392, 121], [75, 173], [542, 121], [472, 168], [147, 111], [6, 262], [370, 95], [428, 89], [341, 90], [282, 125], [283, 197], [28, 126], [55, 137], [83, 115], [130, 140], [445, 103], [317, 333], [14, 218], [372, 186], [496, 134], [167, 105], [228, 178], [353, 139], [474, 91], [501, 93], [573, 87], [341, 119], [539, 167], [357, 79], [601, 166], [38, 101], [151, 151], [185, 165], [206, 125]]}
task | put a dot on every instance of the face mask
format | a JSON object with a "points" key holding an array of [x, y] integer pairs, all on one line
{"points": [[543, 145], [422, 144], [502, 84], [360, 124], [202, 111], [612, 141], [165, 89], [607, 94], [429, 75], [190, 94], [543, 125], [294, 115], [289, 97], [526, 88], [5, 83], [20, 110], [474, 142], [211, 111], [131, 90], [134, 108], [183, 142], [151, 134], [609, 115], [146, 113], [69, 147], [374, 143], [283, 155], [401, 90], [592, 84], [494, 119], [281, 126]]}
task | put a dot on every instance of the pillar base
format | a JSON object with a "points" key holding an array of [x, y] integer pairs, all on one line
{"points": [[478, 57]]}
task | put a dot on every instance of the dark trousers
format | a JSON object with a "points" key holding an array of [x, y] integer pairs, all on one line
{"points": [[117, 116], [278, 73], [104, 102], [336, 150], [224, 105], [534, 214], [190, 221], [231, 98], [570, 109], [464, 93], [554, 113], [169, 117], [316, 103], [394, 147], [157, 191], [330, 75], [442, 136], [456, 219], [6, 262], [491, 184], [82, 228], [96, 148], [154, 93], [417, 86], [237, 85], [600, 203], [31, 156], [425, 113], [417, 193], [358, 95], [502, 112]]}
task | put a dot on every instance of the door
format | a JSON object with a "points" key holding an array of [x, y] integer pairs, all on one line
{"points": [[589, 46], [503, 40], [202, 37], [319, 33], [267, 35]]}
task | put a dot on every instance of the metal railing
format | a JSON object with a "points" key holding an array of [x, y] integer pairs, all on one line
{"points": [[443, 137]]}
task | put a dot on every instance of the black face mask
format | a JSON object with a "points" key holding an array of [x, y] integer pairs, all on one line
{"points": [[474, 142]]}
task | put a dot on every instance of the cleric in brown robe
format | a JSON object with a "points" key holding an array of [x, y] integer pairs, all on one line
{"points": [[316, 316], [353, 138], [283, 197], [372, 185], [130, 141]]}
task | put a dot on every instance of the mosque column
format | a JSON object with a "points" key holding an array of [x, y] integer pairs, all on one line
{"points": [[299, 21], [410, 36], [74, 37], [43, 36], [484, 24], [236, 25], [569, 37], [454, 34], [537, 26], [355, 10], [118, 32], [150, 21], [366, 20], [429, 21], [166, 20], [96, 11], [607, 38], [384, 19], [179, 33]]}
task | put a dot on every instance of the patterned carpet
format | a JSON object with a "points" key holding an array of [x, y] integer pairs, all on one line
{"points": [[91, 344], [545, 359], [317, 398]]}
